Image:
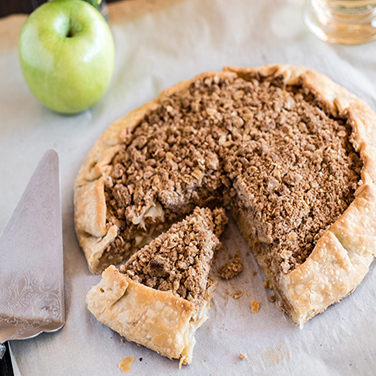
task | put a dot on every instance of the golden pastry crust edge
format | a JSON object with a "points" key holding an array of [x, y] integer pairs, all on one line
{"points": [[152, 318], [344, 241]]}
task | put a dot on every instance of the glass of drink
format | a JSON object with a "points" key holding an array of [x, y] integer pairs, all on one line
{"points": [[342, 21]]}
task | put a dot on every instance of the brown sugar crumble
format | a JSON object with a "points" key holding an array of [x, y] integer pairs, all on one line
{"points": [[231, 269], [125, 364], [242, 356], [272, 298], [255, 306], [275, 154]]}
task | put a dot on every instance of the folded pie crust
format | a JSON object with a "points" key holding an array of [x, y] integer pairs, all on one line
{"points": [[155, 319]]}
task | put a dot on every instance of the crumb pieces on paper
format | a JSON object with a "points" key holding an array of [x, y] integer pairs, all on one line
{"points": [[242, 356], [122, 340], [272, 298], [267, 284], [231, 269], [255, 306], [236, 295], [125, 364]]}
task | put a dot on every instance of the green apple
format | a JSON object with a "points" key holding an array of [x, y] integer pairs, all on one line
{"points": [[66, 53]]}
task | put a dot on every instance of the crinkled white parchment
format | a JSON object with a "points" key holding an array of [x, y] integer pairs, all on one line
{"points": [[159, 43]]}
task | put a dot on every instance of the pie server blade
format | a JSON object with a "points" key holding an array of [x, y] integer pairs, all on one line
{"points": [[31, 259]]}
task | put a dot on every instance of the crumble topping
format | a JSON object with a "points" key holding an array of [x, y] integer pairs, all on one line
{"points": [[231, 269], [179, 260], [273, 154]]}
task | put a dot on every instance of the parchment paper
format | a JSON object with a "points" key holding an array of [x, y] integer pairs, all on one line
{"points": [[159, 43]]}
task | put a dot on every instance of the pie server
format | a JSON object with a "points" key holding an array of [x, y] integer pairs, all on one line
{"points": [[31, 259]]}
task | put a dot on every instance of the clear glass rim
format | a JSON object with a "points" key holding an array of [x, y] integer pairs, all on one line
{"points": [[336, 27]]}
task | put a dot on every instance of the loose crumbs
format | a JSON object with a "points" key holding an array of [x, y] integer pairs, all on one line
{"points": [[267, 284], [231, 269], [255, 306], [238, 294], [125, 364]]}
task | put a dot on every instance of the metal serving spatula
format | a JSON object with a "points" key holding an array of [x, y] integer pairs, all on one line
{"points": [[31, 259]]}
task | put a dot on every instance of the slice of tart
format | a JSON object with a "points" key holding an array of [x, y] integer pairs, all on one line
{"points": [[162, 294]]}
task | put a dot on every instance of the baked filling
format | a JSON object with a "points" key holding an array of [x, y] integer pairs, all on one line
{"points": [[272, 153], [179, 260]]}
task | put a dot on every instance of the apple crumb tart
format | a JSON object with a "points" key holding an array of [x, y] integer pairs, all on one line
{"points": [[288, 151]]}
